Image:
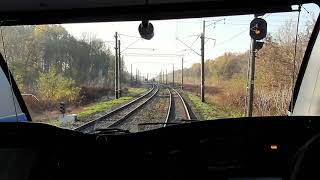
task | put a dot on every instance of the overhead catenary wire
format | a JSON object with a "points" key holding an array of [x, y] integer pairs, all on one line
{"points": [[132, 36], [231, 38], [241, 32], [130, 45], [147, 49], [216, 22], [195, 40], [153, 55], [190, 48]]}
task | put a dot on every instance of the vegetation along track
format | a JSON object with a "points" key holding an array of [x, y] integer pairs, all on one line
{"points": [[121, 114]]}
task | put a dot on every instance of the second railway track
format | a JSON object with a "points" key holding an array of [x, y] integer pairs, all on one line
{"points": [[177, 109]]}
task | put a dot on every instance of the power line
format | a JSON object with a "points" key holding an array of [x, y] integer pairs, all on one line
{"points": [[130, 44], [153, 55], [195, 40], [147, 49], [129, 36], [199, 21], [229, 39], [153, 62], [216, 22], [238, 34], [190, 48]]}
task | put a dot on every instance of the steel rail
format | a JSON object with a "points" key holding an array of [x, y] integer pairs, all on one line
{"points": [[169, 112], [184, 104], [92, 122], [126, 116]]}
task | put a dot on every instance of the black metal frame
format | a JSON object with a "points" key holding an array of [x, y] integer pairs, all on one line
{"points": [[4, 67], [153, 12], [304, 63], [150, 12]]}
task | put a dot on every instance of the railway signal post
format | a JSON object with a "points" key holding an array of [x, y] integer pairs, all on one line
{"points": [[258, 31]]}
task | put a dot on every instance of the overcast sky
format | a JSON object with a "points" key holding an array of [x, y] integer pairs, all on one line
{"points": [[231, 34]]}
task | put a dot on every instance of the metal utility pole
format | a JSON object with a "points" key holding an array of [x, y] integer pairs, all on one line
{"points": [[172, 75], [202, 37], [251, 79], [252, 64], [202, 62], [131, 74], [147, 77], [119, 70], [182, 73], [116, 95], [166, 77], [163, 77], [136, 75]]}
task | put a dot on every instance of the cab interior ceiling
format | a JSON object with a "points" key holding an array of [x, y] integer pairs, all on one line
{"points": [[34, 12]]}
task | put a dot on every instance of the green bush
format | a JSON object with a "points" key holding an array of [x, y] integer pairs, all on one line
{"points": [[53, 87]]}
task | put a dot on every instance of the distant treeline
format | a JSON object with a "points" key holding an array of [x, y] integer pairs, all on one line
{"points": [[48, 61]]}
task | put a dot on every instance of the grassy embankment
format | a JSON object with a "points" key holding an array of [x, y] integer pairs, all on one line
{"points": [[105, 105], [208, 110], [108, 104]]}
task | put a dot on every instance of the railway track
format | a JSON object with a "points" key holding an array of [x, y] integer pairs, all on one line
{"points": [[177, 111], [136, 112], [119, 115], [151, 116], [177, 108]]}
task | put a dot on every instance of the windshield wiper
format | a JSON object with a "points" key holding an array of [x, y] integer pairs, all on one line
{"points": [[180, 121], [158, 123], [190, 120], [106, 131]]}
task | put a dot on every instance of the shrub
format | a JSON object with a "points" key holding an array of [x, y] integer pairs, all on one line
{"points": [[53, 87]]}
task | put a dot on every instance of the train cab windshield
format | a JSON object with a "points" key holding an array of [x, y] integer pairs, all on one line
{"points": [[159, 90], [88, 76]]}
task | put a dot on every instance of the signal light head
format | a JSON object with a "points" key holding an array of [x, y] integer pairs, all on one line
{"points": [[62, 107], [258, 29], [273, 147]]}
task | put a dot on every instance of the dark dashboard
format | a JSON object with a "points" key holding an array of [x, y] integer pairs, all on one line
{"points": [[243, 148]]}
